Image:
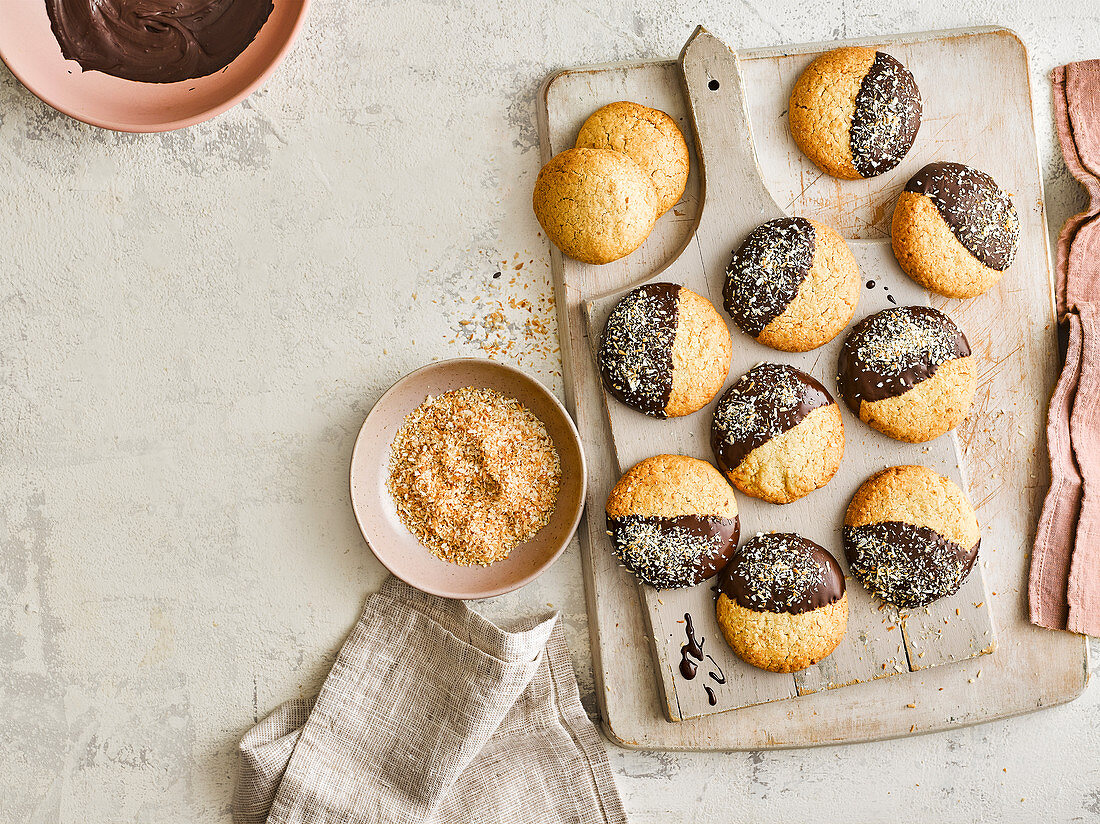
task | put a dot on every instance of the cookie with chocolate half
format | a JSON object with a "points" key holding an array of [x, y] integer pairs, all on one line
{"points": [[910, 536], [781, 602], [793, 284], [672, 521], [665, 351], [908, 372], [855, 112], [955, 231], [777, 434]]}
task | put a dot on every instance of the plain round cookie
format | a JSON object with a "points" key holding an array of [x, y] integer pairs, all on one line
{"points": [[781, 602], [650, 138], [910, 536], [793, 284], [908, 372], [777, 434], [665, 351], [955, 231], [855, 112], [672, 521], [596, 205]]}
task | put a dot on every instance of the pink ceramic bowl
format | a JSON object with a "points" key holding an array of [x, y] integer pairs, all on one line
{"points": [[28, 46], [395, 546]]}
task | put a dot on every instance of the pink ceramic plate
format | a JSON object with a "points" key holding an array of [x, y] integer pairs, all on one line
{"points": [[396, 548], [28, 46]]}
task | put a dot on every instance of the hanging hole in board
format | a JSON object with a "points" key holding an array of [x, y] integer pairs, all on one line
{"points": [[713, 85]]}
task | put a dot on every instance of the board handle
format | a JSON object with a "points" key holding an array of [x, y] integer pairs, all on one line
{"points": [[731, 175]]}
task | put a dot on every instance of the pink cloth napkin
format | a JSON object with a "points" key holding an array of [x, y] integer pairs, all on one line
{"points": [[1065, 565]]}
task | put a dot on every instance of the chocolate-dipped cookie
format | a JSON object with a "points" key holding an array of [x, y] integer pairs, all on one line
{"points": [[855, 112], [672, 521], [649, 137], [781, 602], [955, 231], [777, 434], [907, 371], [910, 536], [595, 205], [793, 284], [665, 351]]}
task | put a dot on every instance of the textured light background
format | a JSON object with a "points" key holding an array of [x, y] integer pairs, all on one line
{"points": [[193, 326]]}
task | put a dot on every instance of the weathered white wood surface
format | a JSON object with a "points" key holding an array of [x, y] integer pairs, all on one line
{"points": [[1011, 329], [736, 202]]}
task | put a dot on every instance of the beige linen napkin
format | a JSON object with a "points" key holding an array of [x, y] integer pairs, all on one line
{"points": [[432, 713]]}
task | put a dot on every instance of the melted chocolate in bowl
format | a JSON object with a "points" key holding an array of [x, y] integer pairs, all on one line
{"points": [[156, 41], [30, 48]]}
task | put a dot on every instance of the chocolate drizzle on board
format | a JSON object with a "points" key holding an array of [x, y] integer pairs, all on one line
{"points": [[890, 352], [906, 565], [974, 207], [765, 272], [766, 401], [712, 699], [886, 118], [693, 649], [691, 656], [718, 677], [635, 353], [782, 572], [156, 41], [670, 553]]}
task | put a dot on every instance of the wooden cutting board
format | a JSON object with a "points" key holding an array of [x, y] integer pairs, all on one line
{"points": [[879, 643], [961, 74]]}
